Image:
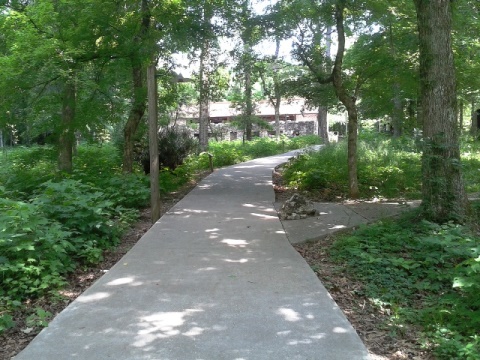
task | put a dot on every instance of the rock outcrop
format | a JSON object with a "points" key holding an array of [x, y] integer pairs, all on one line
{"points": [[297, 207]]}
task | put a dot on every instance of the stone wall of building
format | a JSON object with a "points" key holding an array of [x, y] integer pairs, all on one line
{"points": [[224, 131]]}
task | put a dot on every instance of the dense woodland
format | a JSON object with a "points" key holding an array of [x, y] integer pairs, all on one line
{"points": [[74, 106]]}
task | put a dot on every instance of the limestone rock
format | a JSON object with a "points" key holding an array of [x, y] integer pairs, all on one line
{"points": [[297, 207]]}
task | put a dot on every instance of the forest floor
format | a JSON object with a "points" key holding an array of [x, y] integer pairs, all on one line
{"points": [[370, 323]]}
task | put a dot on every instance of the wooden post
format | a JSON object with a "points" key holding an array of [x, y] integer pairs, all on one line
{"points": [[153, 143], [210, 160]]}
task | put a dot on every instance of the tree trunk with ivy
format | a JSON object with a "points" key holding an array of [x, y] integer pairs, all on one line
{"points": [[443, 194], [322, 120]]}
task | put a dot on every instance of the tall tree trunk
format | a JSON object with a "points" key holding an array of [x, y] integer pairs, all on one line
{"points": [[277, 116], [135, 116], [204, 111], [153, 143], [246, 36], [204, 77], [443, 194], [322, 119], [67, 136], [473, 124], [248, 99], [277, 90], [349, 102], [139, 93], [204, 101], [397, 114], [322, 116], [460, 116]]}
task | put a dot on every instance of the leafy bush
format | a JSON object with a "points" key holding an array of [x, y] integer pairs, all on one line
{"points": [[174, 145], [126, 190], [34, 251], [83, 210]]}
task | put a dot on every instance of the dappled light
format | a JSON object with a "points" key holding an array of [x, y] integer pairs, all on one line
{"points": [[240, 261], [163, 325], [235, 242], [265, 216], [289, 314], [94, 297], [124, 281]]}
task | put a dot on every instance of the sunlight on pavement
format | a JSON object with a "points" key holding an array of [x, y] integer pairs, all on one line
{"points": [[235, 243], [93, 297], [289, 314]]}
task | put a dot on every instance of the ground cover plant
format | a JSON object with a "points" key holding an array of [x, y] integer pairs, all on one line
{"points": [[423, 275]]}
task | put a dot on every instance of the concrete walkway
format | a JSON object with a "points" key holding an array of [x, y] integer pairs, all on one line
{"points": [[334, 217], [215, 278]]}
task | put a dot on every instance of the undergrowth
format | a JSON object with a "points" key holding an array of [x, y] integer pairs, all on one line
{"points": [[387, 168], [424, 274]]}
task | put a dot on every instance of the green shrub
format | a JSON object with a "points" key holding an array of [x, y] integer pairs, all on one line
{"points": [[84, 211], [126, 190], [174, 146], [34, 251]]}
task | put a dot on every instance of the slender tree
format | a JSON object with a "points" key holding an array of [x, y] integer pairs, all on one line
{"points": [[349, 100], [139, 63]]}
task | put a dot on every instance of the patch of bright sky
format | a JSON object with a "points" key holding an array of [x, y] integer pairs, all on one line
{"points": [[266, 47]]}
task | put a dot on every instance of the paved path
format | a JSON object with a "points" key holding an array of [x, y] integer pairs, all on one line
{"points": [[215, 278], [334, 217]]}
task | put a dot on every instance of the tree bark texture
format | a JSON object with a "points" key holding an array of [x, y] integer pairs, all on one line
{"points": [[135, 116], [204, 77], [139, 91], [460, 116], [443, 192], [153, 143], [397, 114], [473, 124], [322, 120], [277, 91], [348, 101], [204, 101], [246, 37], [67, 131], [248, 94]]}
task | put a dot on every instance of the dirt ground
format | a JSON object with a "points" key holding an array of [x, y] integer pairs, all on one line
{"points": [[370, 322]]}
